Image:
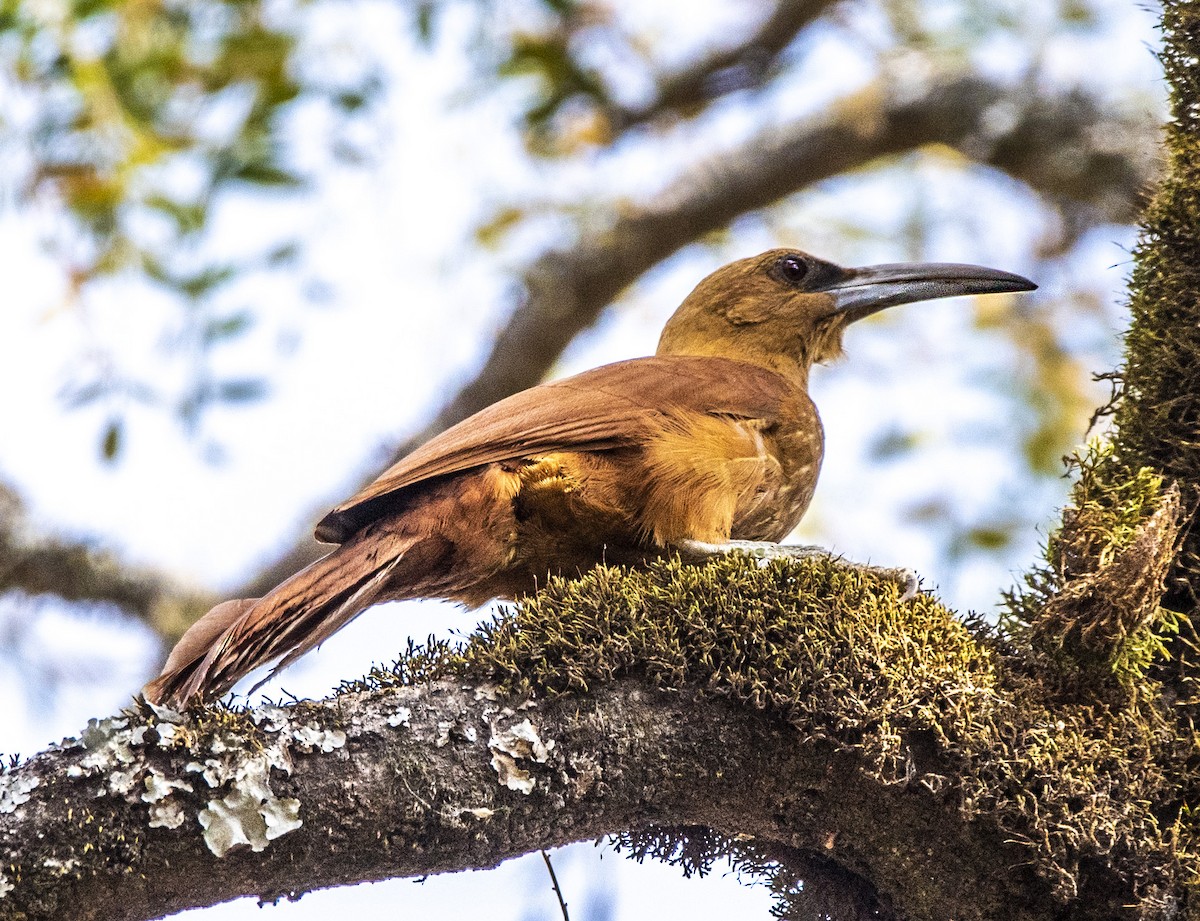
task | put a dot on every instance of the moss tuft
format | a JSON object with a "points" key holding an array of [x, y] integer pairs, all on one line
{"points": [[1094, 606]]}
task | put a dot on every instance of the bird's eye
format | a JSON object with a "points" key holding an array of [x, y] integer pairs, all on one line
{"points": [[792, 269]]}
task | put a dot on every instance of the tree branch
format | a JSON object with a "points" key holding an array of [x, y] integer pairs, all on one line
{"points": [[422, 793], [747, 65], [1048, 142], [788, 707]]}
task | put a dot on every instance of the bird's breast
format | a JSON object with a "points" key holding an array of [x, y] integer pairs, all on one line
{"points": [[710, 477], [791, 463]]}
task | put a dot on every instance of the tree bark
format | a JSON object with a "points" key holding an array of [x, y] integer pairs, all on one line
{"points": [[426, 796]]}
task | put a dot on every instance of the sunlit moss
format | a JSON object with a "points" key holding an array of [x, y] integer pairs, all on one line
{"points": [[1157, 417], [1094, 605]]}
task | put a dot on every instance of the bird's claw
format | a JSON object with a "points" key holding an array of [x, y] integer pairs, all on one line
{"points": [[907, 579]]}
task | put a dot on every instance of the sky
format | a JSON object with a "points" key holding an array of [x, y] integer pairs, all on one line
{"points": [[365, 337]]}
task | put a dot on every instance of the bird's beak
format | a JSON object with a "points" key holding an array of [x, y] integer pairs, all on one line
{"points": [[861, 292]]}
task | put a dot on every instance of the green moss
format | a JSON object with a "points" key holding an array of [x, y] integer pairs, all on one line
{"points": [[1118, 592], [1157, 415], [829, 650]]}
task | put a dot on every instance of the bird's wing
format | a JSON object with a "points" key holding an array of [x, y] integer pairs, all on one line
{"points": [[603, 409]]}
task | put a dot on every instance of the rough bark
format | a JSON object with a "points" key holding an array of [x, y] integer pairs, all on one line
{"points": [[426, 795]]}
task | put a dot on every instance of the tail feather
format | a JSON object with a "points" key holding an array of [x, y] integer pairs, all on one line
{"points": [[329, 624], [236, 637]]}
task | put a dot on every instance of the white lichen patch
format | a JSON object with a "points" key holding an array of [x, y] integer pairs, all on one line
{"points": [[167, 814], [112, 756], [232, 821], [5, 886], [213, 771], [511, 774], [108, 742], [121, 782], [270, 719], [519, 742], [402, 717], [159, 786], [15, 790], [164, 714], [243, 809], [250, 813], [60, 867], [454, 730], [281, 816], [310, 738]]}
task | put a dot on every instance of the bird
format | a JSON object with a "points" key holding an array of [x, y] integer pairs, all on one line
{"points": [[710, 445]]}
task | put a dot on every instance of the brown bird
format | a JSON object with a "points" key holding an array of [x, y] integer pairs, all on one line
{"points": [[710, 442]]}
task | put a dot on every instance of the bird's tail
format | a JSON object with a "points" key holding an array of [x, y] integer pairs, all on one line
{"points": [[238, 636]]}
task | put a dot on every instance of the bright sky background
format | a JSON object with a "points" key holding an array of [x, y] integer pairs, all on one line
{"points": [[407, 305]]}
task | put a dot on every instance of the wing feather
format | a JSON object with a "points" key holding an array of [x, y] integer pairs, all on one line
{"points": [[603, 409]]}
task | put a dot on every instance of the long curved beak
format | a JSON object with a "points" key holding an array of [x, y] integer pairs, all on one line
{"points": [[862, 292]]}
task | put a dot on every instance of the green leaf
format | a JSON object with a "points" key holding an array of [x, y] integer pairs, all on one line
{"points": [[110, 444], [228, 327], [188, 217], [283, 255], [350, 100], [266, 174], [987, 537], [424, 23], [203, 282]]}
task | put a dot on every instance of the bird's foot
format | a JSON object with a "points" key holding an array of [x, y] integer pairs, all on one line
{"points": [[759, 549], [698, 551]]}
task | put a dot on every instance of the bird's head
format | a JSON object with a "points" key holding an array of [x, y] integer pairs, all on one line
{"points": [[788, 310]]}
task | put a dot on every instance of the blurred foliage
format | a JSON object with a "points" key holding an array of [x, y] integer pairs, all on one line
{"points": [[146, 114], [1055, 388]]}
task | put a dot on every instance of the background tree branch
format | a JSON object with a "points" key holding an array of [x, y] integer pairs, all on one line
{"points": [[78, 570], [748, 64]]}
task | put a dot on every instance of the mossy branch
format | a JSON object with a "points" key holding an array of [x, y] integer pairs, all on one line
{"points": [[1157, 412], [787, 706]]}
